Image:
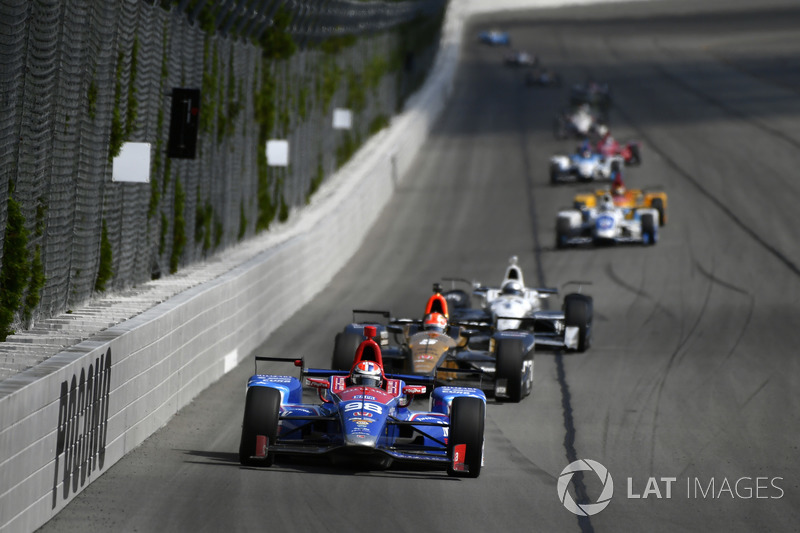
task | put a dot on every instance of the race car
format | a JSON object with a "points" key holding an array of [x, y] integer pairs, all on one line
{"points": [[519, 58], [578, 122], [512, 306], [594, 93], [494, 37], [584, 165], [542, 77], [606, 224], [439, 348], [363, 418], [608, 146], [625, 198]]}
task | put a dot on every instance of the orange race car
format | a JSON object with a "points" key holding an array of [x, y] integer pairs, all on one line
{"points": [[626, 198]]}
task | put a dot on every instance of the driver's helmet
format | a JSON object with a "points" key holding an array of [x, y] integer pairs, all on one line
{"points": [[585, 149], [434, 322], [602, 131], [366, 374], [606, 203], [513, 288]]}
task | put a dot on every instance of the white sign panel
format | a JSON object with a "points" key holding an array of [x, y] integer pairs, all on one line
{"points": [[342, 119], [278, 153], [132, 164]]}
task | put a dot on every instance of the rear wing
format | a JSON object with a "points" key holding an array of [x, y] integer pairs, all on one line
{"points": [[580, 284]]}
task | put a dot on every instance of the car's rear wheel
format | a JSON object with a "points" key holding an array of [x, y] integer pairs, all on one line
{"points": [[658, 205], [636, 156], [458, 299], [260, 426], [465, 440], [578, 311], [649, 230], [513, 375], [344, 350], [563, 232]]}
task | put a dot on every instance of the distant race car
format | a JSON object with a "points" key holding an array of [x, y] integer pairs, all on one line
{"points": [[520, 59], [606, 224], [626, 198], [542, 77], [630, 152], [495, 37], [439, 348], [512, 306], [584, 165], [578, 122], [594, 93], [363, 418]]}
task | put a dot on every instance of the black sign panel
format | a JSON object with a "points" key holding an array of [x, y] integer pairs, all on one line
{"points": [[183, 123]]}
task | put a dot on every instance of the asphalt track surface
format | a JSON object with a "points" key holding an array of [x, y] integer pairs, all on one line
{"points": [[694, 369]]}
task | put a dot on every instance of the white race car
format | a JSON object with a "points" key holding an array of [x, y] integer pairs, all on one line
{"points": [[584, 165], [607, 224], [513, 306], [578, 122]]}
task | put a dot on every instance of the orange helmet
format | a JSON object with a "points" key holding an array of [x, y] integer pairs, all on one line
{"points": [[434, 322]]}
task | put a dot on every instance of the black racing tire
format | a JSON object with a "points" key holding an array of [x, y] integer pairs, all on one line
{"points": [[509, 366], [344, 350], [578, 311], [457, 299], [466, 427], [636, 156], [649, 230], [658, 205], [555, 174], [261, 413], [563, 232]]}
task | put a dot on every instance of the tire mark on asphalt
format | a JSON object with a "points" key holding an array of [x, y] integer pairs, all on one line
{"points": [[751, 308], [638, 292], [584, 522], [709, 195]]}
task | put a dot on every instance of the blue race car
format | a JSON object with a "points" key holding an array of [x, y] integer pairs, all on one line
{"points": [[363, 418], [494, 37]]}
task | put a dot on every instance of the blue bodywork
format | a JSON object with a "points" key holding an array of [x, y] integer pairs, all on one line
{"points": [[373, 426], [495, 37]]}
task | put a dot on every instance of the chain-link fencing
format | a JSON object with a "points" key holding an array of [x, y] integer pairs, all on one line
{"points": [[81, 77]]}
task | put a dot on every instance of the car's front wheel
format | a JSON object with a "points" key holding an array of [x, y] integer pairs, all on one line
{"points": [[465, 440], [578, 310], [260, 426]]}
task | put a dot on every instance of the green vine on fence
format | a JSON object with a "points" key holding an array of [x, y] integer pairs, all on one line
{"points": [[179, 228], [105, 270], [119, 132], [276, 42], [14, 274]]}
